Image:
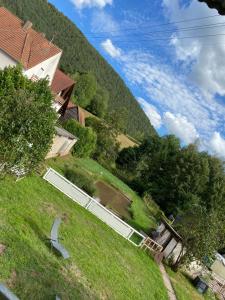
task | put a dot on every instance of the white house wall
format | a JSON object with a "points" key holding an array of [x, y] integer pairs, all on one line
{"points": [[6, 60], [45, 69], [61, 146], [169, 248], [177, 251], [161, 240]]}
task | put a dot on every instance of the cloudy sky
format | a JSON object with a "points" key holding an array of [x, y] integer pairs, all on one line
{"points": [[171, 54]]}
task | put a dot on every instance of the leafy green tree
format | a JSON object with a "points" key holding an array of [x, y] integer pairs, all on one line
{"points": [[157, 162], [200, 231], [175, 176], [128, 159], [26, 121], [116, 121], [107, 146], [99, 103], [86, 143], [85, 89]]}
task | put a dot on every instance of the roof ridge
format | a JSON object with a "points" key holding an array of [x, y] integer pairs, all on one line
{"points": [[23, 49]]}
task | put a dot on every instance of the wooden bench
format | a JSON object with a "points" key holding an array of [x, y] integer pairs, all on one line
{"points": [[55, 239], [5, 292]]}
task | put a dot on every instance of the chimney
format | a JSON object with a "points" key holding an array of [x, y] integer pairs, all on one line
{"points": [[27, 25], [43, 34]]}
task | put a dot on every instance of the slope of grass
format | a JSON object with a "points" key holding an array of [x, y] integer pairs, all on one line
{"points": [[184, 289], [143, 218], [103, 265]]}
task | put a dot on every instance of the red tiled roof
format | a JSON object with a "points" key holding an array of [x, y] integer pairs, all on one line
{"points": [[25, 46], [61, 82]]}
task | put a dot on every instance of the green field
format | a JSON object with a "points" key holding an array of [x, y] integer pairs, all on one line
{"points": [[143, 217], [184, 289], [103, 265]]}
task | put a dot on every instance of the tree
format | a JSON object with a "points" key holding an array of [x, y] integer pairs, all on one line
{"points": [[26, 121], [200, 231], [128, 159], [107, 146], [117, 120], [99, 103], [86, 143], [85, 89], [175, 177]]}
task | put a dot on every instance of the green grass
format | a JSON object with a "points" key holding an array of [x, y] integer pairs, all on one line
{"points": [[143, 218], [184, 289], [103, 265]]}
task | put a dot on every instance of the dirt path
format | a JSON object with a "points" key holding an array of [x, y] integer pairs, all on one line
{"points": [[167, 283]]}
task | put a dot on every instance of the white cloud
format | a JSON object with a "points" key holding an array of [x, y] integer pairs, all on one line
{"points": [[181, 127], [151, 113], [111, 49], [217, 145], [102, 21], [208, 53], [186, 96], [91, 3], [171, 93]]}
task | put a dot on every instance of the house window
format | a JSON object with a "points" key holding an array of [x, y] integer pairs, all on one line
{"points": [[34, 78]]}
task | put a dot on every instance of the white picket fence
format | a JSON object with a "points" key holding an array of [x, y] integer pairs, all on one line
{"points": [[89, 203]]}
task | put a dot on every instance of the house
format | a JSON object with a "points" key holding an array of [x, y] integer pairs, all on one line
{"points": [[73, 112], [20, 43], [219, 5], [62, 143], [166, 236], [62, 86]]}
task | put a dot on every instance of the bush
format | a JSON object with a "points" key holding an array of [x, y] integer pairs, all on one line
{"points": [[87, 138], [82, 180]]}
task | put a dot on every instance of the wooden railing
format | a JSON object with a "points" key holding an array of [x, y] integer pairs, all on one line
{"points": [[151, 245]]}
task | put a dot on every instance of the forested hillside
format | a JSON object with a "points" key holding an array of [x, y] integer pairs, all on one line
{"points": [[80, 56]]}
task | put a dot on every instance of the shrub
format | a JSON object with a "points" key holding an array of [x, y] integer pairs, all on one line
{"points": [[82, 180], [87, 138], [27, 121]]}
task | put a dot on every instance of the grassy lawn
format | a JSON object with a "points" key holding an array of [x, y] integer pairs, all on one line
{"points": [[143, 218], [103, 265], [184, 289]]}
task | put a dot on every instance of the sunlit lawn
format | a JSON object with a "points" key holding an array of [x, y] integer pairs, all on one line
{"points": [[103, 265]]}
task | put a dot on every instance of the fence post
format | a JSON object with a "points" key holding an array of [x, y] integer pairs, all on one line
{"points": [[89, 203], [130, 234]]}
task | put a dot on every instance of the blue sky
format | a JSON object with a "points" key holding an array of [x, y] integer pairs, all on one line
{"points": [[171, 54]]}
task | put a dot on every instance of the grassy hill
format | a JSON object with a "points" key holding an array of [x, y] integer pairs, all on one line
{"points": [[80, 56], [103, 265]]}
